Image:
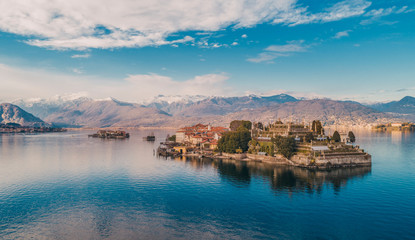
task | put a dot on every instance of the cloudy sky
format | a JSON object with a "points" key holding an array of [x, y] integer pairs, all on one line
{"points": [[135, 49]]}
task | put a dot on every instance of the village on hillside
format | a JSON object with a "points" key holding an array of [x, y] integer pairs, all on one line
{"points": [[298, 144]]}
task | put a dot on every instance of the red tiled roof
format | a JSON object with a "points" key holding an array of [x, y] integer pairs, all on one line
{"points": [[202, 131]]}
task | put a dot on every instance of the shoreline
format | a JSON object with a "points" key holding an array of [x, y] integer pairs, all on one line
{"points": [[120, 128], [340, 160]]}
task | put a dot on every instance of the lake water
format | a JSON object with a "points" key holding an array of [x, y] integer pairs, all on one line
{"points": [[69, 186]]}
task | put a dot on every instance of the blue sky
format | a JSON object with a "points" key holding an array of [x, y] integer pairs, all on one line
{"points": [[134, 50]]}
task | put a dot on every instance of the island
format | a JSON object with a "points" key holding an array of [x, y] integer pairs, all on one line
{"points": [[294, 144], [110, 134]]}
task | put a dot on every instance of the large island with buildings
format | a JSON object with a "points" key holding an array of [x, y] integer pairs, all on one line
{"points": [[296, 144]]}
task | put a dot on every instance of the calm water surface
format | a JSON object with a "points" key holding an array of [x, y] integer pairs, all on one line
{"points": [[68, 186]]}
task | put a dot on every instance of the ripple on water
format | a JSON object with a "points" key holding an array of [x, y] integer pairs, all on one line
{"points": [[66, 186]]}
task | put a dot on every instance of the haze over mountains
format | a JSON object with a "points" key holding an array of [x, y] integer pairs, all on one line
{"points": [[175, 111], [86, 112], [10, 113]]}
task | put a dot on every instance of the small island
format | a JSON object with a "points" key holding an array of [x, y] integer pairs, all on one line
{"points": [[110, 134], [295, 144]]}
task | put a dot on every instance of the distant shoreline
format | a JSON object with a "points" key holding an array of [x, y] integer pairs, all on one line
{"points": [[118, 128]]}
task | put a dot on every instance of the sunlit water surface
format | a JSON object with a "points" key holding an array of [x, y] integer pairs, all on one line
{"points": [[69, 186]]}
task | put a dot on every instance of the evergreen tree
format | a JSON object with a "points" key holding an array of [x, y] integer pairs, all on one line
{"points": [[317, 127], [336, 137], [171, 138], [309, 137], [231, 141], [352, 137], [286, 146], [235, 124]]}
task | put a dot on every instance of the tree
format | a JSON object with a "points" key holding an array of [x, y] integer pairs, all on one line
{"points": [[235, 124], [171, 138], [352, 137], [309, 137], [336, 137], [231, 141], [286, 146], [267, 147], [317, 127], [259, 125]]}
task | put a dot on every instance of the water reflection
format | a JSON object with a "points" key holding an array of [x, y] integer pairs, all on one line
{"points": [[69, 186], [281, 178]]}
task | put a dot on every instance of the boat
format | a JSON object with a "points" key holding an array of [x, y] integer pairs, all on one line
{"points": [[150, 138]]}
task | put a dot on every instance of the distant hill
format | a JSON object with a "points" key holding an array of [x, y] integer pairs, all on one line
{"points": [[226, 105], [328, 111], [10, 113], [175, 111], [404, 106], [102, 113], [45, 107], [173, 104]]}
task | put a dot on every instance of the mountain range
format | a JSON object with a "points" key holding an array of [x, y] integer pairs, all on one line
{"points": [[404, 106], [10, 113], [164, 111], [87, 112]]}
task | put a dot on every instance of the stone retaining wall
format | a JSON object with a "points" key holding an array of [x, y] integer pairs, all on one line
{"points": [[277, 159], [236, 156], [338, 160], [304, 160]]}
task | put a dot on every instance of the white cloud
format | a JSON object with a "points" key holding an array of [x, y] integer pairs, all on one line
{"points": [[154, 84], [244, 36], [340, 10], [35, 83], [79, 24], [292, 46], [274, 51], [234, 43], [77, 71], [266, 57], [86, 55], [376, 14], [385, 11], [342, 34]]}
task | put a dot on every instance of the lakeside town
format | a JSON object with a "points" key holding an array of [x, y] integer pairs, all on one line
{"points": [[395, 127], [17, 128], [295, 144]]}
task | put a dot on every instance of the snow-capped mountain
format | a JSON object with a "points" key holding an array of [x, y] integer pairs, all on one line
{"points": [[10, 113], [42, 108], [173, 104], [175, 98], [176, 111], [203, 105], [87, 112]]}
